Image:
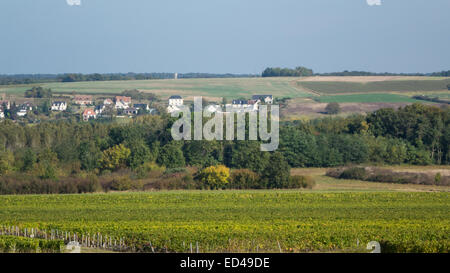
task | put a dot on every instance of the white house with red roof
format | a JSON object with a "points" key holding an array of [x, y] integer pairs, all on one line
{"points": [[89, 113]]}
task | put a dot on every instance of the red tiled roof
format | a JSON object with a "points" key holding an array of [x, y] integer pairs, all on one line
{"points": [[89, 112]]}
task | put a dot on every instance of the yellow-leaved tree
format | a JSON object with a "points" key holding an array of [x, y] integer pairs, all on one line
{"points": [[115, 157], [214, 177]]}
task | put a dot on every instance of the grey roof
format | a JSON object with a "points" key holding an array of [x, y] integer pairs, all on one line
{"points": [[240, 101], [175, 97], [257, 97]]}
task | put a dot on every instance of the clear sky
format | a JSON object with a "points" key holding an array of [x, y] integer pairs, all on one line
{"points": [[220, 36]]}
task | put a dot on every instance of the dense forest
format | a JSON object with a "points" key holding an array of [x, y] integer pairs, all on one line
{"points": [[416, 134]]}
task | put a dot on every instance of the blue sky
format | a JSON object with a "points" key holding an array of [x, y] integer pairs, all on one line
{"points": [[220, 36]]}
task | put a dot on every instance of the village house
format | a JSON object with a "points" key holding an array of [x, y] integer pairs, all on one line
{"points": [[88, 114], [176, 101], [108, 102], [82, 100], [245, 105], [99, 109], [123, 102], [131, 111], [28, 106], [142, 106], [59, 106], [174, 104], [2, 114], [267, 99], [213, 108]]}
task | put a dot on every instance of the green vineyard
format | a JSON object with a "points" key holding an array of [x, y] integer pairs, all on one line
{"points": [[243, 221]]}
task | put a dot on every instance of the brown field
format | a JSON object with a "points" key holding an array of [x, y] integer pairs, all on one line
{"points": [[364, 79], [308, 108]]}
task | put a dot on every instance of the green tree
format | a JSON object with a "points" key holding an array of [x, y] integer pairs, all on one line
{"points": [[247, 155], [171, 155], [89, 155], [140, 153], [277, 172], [6, 162], [333, 108]]}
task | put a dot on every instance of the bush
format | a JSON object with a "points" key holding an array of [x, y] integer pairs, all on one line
{"points": [[22, 184], [301, 182], [244, 179], [149, 169], [389, 176], [175, 170], [356, 173], [124, 183]]}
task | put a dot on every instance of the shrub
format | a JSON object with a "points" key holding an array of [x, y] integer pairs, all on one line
{"points": [[175, 170], [437, 178], [354, 173], [149, 169], [299, 182], [389, 176], [122, 184], [244, 179]]}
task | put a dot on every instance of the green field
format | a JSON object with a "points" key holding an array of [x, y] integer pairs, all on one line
{"points": [[246, 221], [367, 98], [233, 88], [215, 88], [334, 87]]}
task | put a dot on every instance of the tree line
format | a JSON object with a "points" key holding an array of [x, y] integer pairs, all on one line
{"points": [[306, 72], [78, 77]]}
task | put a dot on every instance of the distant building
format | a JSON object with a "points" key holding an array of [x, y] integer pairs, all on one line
{"points": [[2, 114], [142, 106], [131, 111], [6, 104], [88, 114], [245, 105], [176, 76], [59, 106], [83, 100], [213, 108], [24, 108], [175, 102], [267, 99], [22, 112], [99, 109], [123, 102], [108, 102], [28, 106]]}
